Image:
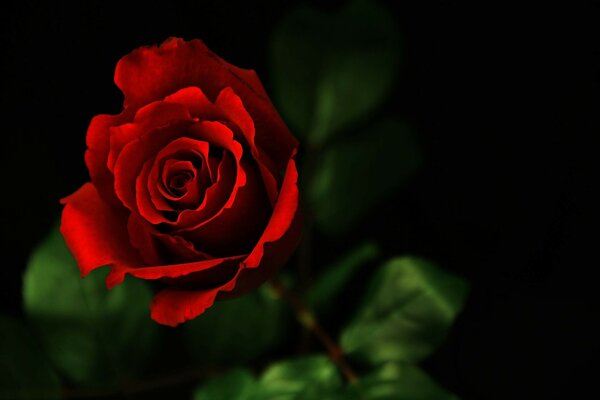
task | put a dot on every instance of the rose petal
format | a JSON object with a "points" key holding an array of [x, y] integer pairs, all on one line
{"points": [[159, 113], [145, 205], [181, 249], [181, 148], [189, 194], [196, 101], [172, 169], [275, 255], [282, 217], [214, 198], [117, 275], [211, 267], [142, 240], [135, 153], [232, 107], [147, 118], [230, 176], [157, 248], [151, 73], [95, 232], [175, 305], [277, 242], [237, 226], [98, 140]]}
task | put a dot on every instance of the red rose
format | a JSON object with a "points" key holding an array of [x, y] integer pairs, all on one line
{"points": [[194, 183]]}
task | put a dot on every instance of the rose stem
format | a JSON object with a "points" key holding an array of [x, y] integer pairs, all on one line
{"points": [[304, 262], [309, 321], [305, 251]]}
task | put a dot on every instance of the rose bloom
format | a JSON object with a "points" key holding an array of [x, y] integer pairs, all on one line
{"points": [[193, 184]]}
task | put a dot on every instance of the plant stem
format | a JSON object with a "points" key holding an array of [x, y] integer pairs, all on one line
{"points": [[309, 321], [305, 249]]}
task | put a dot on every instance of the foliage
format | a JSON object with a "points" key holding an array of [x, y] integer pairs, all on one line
{"points": [[91, 335], [330, 71], [407, 311], [24, 374], [237, 330]]}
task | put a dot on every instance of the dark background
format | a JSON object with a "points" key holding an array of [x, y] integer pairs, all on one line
{"points": [[505, 104]]}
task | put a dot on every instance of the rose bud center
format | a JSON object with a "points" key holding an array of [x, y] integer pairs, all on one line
{"points": [[178, 182], [184, 181]]}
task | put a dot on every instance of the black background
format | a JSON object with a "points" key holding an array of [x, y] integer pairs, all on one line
{"points": [[505, 104]]}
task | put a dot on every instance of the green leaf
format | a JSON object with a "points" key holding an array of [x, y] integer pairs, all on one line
{"points": [[406, 313], [395, 381], [24, 372], [90, 333], [308, 378], [238, 384], [332, 70], [355, 175], [237, 330], [316, 378], [327, 286]]}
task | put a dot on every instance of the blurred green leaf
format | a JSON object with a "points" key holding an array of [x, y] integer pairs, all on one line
{"points": [[330, 71], [334, 279], [316, 378], [308, 378], [24, 371], [91, 334], [237, 330], [352, 177], [238, 384], [395, 381], [406, 313]]}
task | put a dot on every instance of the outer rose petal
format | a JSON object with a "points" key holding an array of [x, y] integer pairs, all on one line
{"points": [[278, 240], [180, 270], [231, 106], [96, 233], [275, 255], [282, 217], [151, 73], [117, 275], [98, 143], [173, 306]]}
